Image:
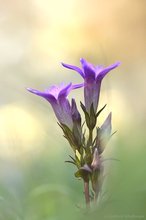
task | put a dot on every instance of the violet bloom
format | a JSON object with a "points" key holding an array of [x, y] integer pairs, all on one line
{"points": [[57, 97], [92, 76]]}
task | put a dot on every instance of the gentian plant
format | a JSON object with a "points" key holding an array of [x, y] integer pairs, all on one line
{"points": [[87, 146]]}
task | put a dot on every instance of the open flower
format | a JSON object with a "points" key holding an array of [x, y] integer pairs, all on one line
{"points": [[57, 97], [92, 76]]}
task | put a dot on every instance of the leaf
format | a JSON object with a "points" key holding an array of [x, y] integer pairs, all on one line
{"points": [[86, 168], [98, 113], [113, 133], [92, 117], [78, 155], [83, 124], [72, 158], [79, 174], [82, 174], [77, 134], [69, 161], [69, 136], [92, 112], [87, 117], [78, 164]]}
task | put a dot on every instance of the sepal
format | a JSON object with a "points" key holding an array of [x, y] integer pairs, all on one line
{"points": [[74, 137], [90, 118], [68, 135], [77, 134], [87, 116], [84, 172], [98, 113]]}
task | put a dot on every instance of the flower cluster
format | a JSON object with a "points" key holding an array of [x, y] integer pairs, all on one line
{"points": [[87, 147]]}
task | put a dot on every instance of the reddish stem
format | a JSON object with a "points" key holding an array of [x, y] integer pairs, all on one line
{"points": [[87, 195]]}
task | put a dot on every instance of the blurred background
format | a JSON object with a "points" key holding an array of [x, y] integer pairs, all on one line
{"points": [[35, 37]]}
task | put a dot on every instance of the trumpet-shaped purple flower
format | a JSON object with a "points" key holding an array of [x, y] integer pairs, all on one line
{"points": [[92, 76], [57, 97]]}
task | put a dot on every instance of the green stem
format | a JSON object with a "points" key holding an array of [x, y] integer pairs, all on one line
{"points": [[90, 139]]}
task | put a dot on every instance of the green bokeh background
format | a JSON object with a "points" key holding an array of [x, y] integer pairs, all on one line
{"points": [[35, 36]]}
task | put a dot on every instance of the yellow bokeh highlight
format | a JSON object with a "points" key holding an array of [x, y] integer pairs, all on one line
{"points": [[18, 130]]}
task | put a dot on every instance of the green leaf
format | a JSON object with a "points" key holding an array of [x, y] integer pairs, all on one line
{"points": [[77, 161], [87, 117], [113, 133], [72, 158], [92, 117], [69, 161], [77, 134], [98, 113], [82, 174], [68, 134], [79, 174]]}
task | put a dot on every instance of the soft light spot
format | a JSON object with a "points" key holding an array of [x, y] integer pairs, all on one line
{"points": [[18, 130], [118, 105]]}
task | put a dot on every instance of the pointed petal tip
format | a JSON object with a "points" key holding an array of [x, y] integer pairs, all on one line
{"points": [[114, 65], [110, 116], [31, 90], [118, 63], [36, 92], [63, 64], [67, 65], [82, 60], [27, 88], [72, 67]]}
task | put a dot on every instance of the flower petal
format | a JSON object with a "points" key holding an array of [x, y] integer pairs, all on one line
{"points": [[65, 91], [89, 70], [72, 67], [45, 95], [62, 110], [104, 71]]}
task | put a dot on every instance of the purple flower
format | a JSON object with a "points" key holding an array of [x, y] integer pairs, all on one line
{"points": [[57, 97], [92, 76]]}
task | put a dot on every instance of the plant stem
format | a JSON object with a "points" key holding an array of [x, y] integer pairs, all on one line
{"points": [[87, 195], [90, 139], [96, 195]]}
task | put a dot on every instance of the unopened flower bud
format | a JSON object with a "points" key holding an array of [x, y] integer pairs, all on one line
{"points": [[104, 133], [76, 117], [96, 160]]}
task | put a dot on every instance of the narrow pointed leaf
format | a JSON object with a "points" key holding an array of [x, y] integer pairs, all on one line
{"points": [[98, 113], [69, 161]]}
